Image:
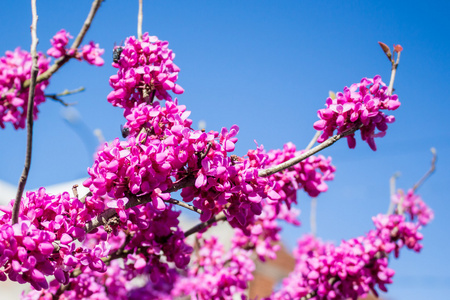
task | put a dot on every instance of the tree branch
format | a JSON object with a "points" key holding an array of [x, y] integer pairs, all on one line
{"points": [[293, 161], [313, 140], [429, 172], [30, 108], [219, 217], [392, 182], [60, 62], [185, 205], [139, 25], [393, 73], [66, 92]]}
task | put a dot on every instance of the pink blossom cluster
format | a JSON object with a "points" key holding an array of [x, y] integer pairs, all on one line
{"points": [[87, 285], [15, 69], [230, 183], [263, 236], [359, 105], [91, 52], [309, 175], [151, 245], [144, 67], [216, 273], [162, 148], [43, 243], [352, 269], [414, 206]]}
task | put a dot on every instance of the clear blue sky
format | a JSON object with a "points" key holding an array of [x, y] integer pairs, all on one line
{"points": [[267, 66]]}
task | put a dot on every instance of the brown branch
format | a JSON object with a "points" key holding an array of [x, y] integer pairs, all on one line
{"points": [[30, 108], [429, 172], [293, 161], [219, 217]]}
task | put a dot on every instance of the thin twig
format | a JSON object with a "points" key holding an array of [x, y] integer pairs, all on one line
{"points": [[392, 182], [313, 140], [139, 25], [185, 205], [330, 141], [430, 171], [66, 92], [393, 73], [312, 219], [75, 190], [60, 62], [219, 217], [30, 108]]}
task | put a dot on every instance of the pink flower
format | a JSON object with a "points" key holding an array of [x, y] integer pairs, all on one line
{"points": [[59, 42], [358, 106], [92, 54]]}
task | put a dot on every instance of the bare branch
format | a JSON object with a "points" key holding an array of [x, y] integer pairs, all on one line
{"points": [[314, 140], [393, 73], [87, 23], [219, 217], [392, 182], [30, 108], [185, 205], [66, 92], [139, 25], [429, 172], [312, 218]]}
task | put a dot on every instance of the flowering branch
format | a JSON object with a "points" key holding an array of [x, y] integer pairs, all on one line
{"points": [[330, 141], [76, 43], [429, 172], [30, 107]]}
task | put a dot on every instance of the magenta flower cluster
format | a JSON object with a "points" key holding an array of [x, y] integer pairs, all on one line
{"points": [[162, 153], [263, 236], [91, 52], [413, 205], [15, 69], [43, 242], [216, 273], [144, 67], [355, 267], [359, 106]]}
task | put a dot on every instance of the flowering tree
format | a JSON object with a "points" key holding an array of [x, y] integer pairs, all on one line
{"points": [[127, 227]]}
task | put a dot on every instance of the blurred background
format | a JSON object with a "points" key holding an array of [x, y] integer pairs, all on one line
{"points": [[266, 66]]}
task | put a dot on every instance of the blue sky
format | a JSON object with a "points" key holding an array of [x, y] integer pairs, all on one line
{"points": [[267, 66]]}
